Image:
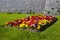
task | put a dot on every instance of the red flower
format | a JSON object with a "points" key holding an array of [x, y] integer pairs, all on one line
{"points": [[30, 23]]}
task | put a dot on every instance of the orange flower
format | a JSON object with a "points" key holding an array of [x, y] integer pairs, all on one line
{"points": [[6, 23]]}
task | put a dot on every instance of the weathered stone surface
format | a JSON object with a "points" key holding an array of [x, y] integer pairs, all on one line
{"points": [[26, 5], [52, 6]]}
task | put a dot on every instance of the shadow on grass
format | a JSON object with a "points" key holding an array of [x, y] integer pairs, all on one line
{"points": [[43, 28], [47, 26]]}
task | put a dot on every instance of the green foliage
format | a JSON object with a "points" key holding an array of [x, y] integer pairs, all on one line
{"points": [[33, 12], [8, 12], [18, 13], [58, 10], [30, 12], [27, 13]]}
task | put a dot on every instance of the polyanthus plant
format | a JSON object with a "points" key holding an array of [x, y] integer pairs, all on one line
{"points": [[35, 22]]}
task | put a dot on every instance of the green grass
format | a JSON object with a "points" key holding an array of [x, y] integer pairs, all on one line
{"points": [[52, 33]]}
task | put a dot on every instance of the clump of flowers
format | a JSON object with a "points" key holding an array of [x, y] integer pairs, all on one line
{"points": [[34, 22]]}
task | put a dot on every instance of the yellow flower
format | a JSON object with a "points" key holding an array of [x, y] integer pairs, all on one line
{"points": [[22, 25], [38, 27], [44, 22], [39, 23], [48, 21], [44, 16], [26, 25], [30, 16], [6, 23]]}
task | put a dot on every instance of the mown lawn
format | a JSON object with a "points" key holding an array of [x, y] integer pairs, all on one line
{"points": [[52, 33]]}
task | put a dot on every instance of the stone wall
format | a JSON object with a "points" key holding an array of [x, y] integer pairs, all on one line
{"points": [[52, 6], [22, 5], [46, 6]]}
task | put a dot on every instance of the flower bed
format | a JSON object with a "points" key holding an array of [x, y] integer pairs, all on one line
{"points": [[38, 23]]}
